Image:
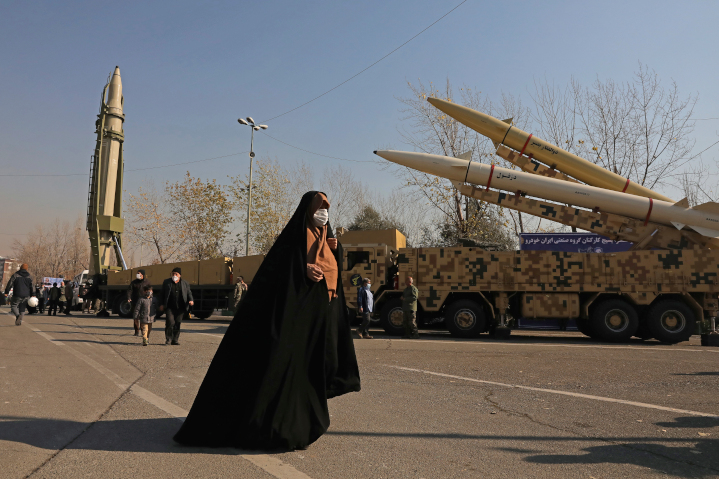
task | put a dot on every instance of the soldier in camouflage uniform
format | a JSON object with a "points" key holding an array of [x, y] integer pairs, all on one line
{"points": [[409, 310]]}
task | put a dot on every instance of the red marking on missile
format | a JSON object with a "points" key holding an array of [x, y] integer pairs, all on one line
{"points": [[651, 205], [489, 181], [626, 186], [525, 144]]}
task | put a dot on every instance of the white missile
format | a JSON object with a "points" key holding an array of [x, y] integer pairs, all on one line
{"points": [[704, 219]]}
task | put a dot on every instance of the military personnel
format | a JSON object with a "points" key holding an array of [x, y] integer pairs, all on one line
{"points": [[409, 310]]}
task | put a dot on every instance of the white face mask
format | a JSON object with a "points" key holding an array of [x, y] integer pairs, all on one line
{"points": [[139, 276], [321, 217], [175, 278]]}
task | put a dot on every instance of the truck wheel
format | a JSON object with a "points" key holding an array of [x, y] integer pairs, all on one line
{"points": [[391, 317], [465, 319], [614, 320], [671, 321], [122, 307]]}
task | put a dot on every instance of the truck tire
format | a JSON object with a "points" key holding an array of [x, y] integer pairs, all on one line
{"points": [[671, 321], [643, 332], [390, 317], [614, 320], [465, 319], [122, 307]]}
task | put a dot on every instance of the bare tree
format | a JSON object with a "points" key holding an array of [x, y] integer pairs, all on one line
{"points": [[60, 248], [639, 129], [150, 222], [431, 131]]}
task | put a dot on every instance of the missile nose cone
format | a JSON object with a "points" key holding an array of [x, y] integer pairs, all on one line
{"points": [[375, 152], [114, 92]]}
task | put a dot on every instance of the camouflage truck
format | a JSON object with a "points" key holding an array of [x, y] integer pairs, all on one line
{"points": [[660, 294], [664, 294]]}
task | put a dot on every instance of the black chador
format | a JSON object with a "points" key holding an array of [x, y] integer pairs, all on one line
{"points": [[287, 350]]}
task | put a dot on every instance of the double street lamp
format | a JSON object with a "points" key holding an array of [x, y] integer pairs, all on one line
{"points": [[251, 123]]}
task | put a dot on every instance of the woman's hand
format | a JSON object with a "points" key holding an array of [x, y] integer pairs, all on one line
{"points": [[314, 272], [332, 243]]}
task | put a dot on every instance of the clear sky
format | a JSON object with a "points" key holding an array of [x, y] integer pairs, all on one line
{"points": [[190, 69]]}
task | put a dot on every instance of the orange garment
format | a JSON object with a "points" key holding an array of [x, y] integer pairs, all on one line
{"points": [[318, 251]]}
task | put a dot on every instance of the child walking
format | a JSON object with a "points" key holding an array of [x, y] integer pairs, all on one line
{"points": [[145, 313]]}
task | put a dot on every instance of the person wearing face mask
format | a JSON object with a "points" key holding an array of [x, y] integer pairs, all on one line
{"points": [[366, 305], [134, 293], [177, 299], [288, 349]]}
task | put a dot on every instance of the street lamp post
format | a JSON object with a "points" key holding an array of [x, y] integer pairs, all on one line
{"points": [[251, 123]]}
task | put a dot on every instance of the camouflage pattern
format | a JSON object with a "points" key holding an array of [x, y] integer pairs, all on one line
{"points": [[640, 276], [531, 165], [368, 261], [550, 305], [616, 227]]}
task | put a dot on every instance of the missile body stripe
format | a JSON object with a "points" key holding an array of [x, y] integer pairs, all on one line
{"points": [[489, 180], [626, 185], [525, 144], [649, 213]]}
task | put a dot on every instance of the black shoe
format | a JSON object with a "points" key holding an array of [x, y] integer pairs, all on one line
{"points": [[137, 333], [167, 343], [18, 322], [175, 343]]}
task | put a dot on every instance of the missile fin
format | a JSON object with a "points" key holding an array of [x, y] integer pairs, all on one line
{"points": [[683, 203], [709, 207], [508, 121], [705, 231], [678, 225], [467, 155]]}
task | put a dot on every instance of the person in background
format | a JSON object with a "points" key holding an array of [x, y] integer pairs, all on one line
{"points": [[40, 298], [45, 297], [240, 289], [54, 299], [134, 292], [366, 306], [69, 294], [22, 290], [177, 299], [409, 310], [61, 300], [144, 313]]}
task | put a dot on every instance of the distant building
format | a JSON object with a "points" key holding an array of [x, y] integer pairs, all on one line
{"points": [[8, 266]]}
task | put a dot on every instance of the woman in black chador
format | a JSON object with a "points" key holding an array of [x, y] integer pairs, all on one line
{"points": [[288, 349]]}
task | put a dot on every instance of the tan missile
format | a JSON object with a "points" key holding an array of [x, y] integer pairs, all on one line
{"points": [[704, 219], [526, 143]]}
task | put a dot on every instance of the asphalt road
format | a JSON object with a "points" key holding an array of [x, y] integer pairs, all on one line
{"points": [[80, 397]]}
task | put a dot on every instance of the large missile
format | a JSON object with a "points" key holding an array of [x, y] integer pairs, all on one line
{"points": [[704, 219], [573, 165], [104, 209]]}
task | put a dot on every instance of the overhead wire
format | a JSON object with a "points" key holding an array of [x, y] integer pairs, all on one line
{"points": [[366, 68]]}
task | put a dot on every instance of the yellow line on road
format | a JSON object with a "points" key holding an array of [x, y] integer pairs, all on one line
{"points": [[563, 393]]}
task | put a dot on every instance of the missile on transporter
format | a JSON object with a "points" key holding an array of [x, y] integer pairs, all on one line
{"points": [[104, 210], [573, 165], [704, 219]]}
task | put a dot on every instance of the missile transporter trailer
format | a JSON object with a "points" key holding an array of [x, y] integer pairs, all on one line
{"points": [[211, 282], [663, 294]]}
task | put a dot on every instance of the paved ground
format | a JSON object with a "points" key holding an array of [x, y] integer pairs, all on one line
{"points": [[80, 397]]}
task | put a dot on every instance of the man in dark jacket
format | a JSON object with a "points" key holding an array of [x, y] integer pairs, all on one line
{"points": [[176, 300], [21, 284], [53, 298], [134, 293], [69, 294]]}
